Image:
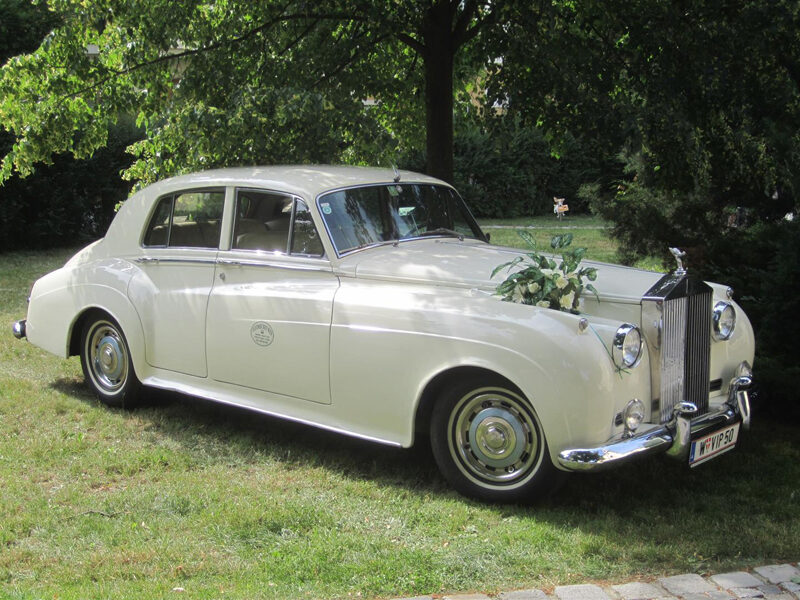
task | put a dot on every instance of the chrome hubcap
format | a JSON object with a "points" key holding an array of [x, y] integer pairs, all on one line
{"points": [[496, 433], [108, 359], [494, 437]]}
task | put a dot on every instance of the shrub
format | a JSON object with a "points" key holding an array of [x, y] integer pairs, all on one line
{"points": [[760, 263]]}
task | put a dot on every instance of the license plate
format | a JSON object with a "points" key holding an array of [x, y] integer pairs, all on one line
{"points": [[712, 445]]}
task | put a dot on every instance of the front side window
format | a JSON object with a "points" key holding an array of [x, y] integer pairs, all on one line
{"points": [[274, 222], [187, 220], [366, 216]]}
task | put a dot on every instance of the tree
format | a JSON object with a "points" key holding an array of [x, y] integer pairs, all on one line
{"points": [[236, 82], [700, 99]]}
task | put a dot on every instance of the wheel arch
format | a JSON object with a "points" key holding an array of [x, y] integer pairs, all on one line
{"points": [[433, 391], [128, 323]]}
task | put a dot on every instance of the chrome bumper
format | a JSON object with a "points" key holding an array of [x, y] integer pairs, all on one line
{"points": [[18, 329], [673, 438]]}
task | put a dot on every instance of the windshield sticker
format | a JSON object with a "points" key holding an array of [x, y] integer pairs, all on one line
{"points": [[262, 333], [326, 208]]}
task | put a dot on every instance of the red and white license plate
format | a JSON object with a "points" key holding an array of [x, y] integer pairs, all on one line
{"points": [[712, 445]]}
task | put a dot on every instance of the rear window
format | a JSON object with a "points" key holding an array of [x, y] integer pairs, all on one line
{"points": [[191, 219]]}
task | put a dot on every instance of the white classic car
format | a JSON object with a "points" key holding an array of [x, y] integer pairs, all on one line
{"points": [[362, 301]]}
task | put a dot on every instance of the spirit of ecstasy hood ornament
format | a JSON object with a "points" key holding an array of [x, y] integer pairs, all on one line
{"points": [[678, 254]]}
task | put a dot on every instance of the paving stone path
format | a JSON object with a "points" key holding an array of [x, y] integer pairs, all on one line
{"points": [[770, 582]]}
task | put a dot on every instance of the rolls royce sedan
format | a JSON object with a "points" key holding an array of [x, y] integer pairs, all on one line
{"points": [[364, 301]]}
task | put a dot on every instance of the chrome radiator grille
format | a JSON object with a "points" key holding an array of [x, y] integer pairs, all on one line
{"points": [[676, 319]]}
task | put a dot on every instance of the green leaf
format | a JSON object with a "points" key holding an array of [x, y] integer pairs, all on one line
{"points": [[561, 241], [529, 239], [510, 265]]}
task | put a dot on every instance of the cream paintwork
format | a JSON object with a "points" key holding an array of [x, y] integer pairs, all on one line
{"points": [[300, 296], [357, 338], [171, 299]]}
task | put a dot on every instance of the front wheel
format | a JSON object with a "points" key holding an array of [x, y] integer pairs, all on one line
{"points": [[488, 443], [106, 362]]}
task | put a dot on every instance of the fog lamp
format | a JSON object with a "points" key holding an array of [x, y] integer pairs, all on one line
{"points": [[633, 415]]}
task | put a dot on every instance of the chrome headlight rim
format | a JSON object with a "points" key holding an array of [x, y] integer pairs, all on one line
{"points": [[627, 346], [723, 327]]}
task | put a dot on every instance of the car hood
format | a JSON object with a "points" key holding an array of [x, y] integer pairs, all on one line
{"points": [[469, 263]]}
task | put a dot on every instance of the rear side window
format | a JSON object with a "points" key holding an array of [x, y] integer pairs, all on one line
{"points": [[273, 222], [190, 219]]}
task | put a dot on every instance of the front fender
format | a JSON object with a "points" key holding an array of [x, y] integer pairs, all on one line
{"points": [[389, 341]]}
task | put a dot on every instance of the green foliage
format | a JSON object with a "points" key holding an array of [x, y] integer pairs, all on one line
{"points": [[505, 168], [761, 264], [69, 200], [537, 280], [705, 110], [230, 83]]}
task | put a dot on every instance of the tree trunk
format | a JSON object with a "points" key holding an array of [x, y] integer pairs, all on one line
{"points": [[437, 33]]}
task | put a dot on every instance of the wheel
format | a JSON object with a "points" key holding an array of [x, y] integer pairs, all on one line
{"points": [[488, 443], [106, 362]]}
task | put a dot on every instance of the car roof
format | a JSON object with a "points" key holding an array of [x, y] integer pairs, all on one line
{"points": [[305, 180]]}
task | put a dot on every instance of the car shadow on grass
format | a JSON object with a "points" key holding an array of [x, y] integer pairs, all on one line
{"points": [[734, 509], [189, 420]]}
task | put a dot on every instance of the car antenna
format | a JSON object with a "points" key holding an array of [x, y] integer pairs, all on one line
{"points": [[396, 173]]}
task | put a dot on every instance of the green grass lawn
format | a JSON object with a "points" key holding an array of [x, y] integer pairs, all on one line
{"points": [[187, 495], [587, 231]]}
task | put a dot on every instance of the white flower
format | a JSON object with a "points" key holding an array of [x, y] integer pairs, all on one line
{"points": [[534, 287], [567, 300], [561, 282], [543, 303], [548, 272], [517, 295]]}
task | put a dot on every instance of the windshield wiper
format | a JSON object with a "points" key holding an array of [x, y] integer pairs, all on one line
{"points": [[442, 231], [373, 245]]}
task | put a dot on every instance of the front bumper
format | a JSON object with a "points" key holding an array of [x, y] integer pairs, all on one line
{"points": [[673, 438]]}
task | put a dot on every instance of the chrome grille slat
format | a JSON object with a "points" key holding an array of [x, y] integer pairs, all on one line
{"points": [[672, 356], [676, 317], [698, 351]]}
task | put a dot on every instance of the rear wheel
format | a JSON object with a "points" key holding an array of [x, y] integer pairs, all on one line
{"points": [[488, 442], [106, 362]]}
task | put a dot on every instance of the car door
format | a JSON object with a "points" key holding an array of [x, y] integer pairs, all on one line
{"points": [[269, 313], [176, 271]]}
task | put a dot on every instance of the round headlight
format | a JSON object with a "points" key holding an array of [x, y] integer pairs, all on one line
{"points": [[633, 415], [627, 346], [724, 320]]}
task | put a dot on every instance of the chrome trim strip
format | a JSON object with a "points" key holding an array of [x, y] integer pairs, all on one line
{"points": [[157, 260], [673, 438], [273, 265]]}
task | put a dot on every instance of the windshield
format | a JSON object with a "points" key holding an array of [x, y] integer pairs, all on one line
{"points": [[365, 216]]}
